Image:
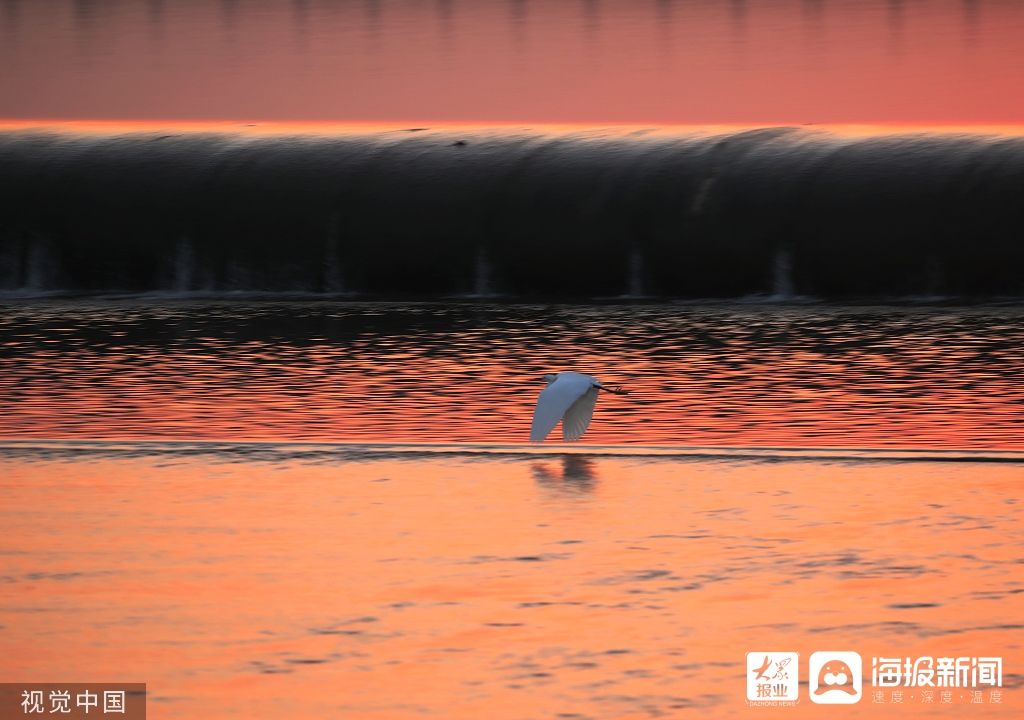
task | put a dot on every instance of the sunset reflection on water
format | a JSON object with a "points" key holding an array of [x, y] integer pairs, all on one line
{"points": [[383, 544], [495, 586], [240, 463], [735, 375], [416, 61]]}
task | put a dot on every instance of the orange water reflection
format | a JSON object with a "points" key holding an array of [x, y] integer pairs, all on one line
{"points": [[659, 62], [730, 375], [505, 587], [315, 128]]}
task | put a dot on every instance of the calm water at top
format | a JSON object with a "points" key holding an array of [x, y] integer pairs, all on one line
{"points": [[734, 375], [654, 61]]}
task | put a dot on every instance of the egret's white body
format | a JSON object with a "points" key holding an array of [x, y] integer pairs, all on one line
{"points": [[569, 397]]}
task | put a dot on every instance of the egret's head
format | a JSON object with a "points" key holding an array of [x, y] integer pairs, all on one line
{"points": [[550, 378]]}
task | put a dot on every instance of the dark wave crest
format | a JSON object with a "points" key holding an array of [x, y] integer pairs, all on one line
{"points": [[777, 212]]}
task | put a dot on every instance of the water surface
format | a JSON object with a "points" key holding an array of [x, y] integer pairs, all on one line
{"points": [[260, 581], [663, 61], [522, 213], [729, 375]]}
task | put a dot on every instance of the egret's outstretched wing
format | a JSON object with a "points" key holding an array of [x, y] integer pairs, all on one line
{"points": [[555, 401], [577, 417]]}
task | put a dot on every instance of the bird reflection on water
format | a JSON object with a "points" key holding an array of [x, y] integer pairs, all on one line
{"points": [[578, 475]]}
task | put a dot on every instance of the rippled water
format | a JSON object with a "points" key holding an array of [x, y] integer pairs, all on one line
{"points": [[384, 544], [735, 375], [266, 581]]}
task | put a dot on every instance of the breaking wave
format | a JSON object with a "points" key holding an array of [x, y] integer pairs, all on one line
{"points": [[778, 213]]}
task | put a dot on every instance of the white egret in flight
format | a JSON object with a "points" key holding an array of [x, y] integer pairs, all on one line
{"points": [[569, 397]]}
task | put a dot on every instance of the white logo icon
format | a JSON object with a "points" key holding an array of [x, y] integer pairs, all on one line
{"points": [[772, 676], [834, 677]]}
